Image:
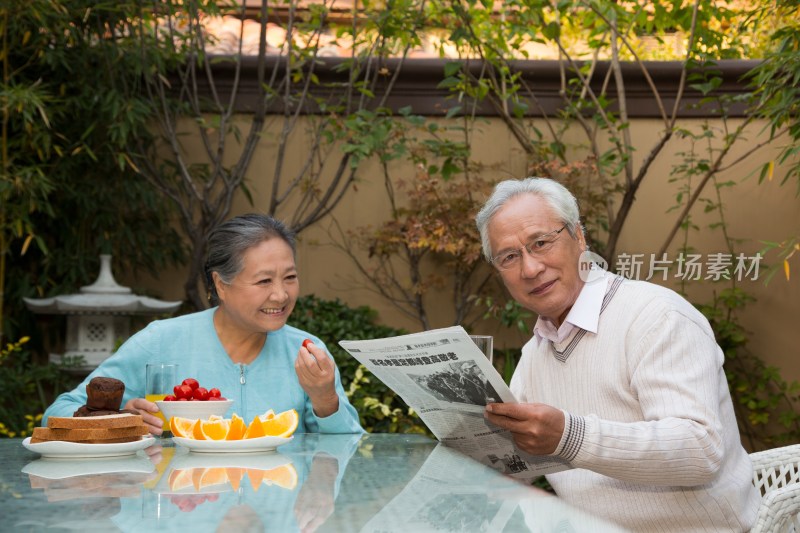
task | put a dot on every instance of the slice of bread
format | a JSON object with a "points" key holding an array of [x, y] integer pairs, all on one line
{"points": [[122, 420], [81, 435], [35, 440], [123, 427]]}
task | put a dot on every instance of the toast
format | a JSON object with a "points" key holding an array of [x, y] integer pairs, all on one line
{"points": [[35, 440], [122, 420], [82, 435], [105, 429]]}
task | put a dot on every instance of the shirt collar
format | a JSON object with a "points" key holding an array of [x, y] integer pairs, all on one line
{"points": [[585, 313]]}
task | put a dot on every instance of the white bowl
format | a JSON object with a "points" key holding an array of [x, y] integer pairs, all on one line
{"points": [[194, 410]]}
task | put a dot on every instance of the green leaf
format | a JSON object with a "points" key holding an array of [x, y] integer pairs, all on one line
{"points": [[552, 31], [452, 68]]}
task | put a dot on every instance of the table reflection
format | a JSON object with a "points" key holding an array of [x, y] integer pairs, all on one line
{"points": [[92, 487], [370, 483], [441, 490]]}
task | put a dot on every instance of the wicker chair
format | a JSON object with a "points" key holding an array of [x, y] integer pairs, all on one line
{"points": [[776, 474]]}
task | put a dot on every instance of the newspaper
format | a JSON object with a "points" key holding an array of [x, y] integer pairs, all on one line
{"points": [[446, 378]]}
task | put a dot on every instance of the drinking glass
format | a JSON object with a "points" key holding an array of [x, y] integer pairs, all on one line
{"points": [[485, 343], [160, 379], [157, 506]]}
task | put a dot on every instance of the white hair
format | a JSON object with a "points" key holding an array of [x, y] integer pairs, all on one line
{"points": [[556, 195]]}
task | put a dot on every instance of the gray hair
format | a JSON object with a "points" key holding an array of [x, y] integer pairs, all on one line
{"points": [[556, 195], [228, 242]]}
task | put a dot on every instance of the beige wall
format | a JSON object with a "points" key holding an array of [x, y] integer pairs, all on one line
{"points": [[755, 213]]}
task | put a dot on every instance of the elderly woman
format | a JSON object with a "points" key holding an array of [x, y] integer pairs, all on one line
{"points": [[242, 346]]}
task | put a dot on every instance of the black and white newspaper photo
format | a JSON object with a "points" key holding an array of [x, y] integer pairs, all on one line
{"points": [[448, 381]]}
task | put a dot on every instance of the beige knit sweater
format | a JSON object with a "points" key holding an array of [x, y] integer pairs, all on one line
{"points": [[650, 425]]}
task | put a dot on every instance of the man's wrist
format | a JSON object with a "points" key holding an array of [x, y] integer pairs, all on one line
{"points": [[572, 439]]}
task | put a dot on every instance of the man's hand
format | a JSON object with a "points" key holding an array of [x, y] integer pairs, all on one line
{"points": [[316, 373], [144, 408], [537, 428]]}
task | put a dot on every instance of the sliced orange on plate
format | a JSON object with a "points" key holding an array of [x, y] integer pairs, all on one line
{"points": [[269, 424], [236, 429], [254, 430], [214, 429], [181, 427], [197, 430], [281, 425]]}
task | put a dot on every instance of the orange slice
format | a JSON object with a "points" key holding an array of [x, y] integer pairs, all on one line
{"points": [[197, 430], [181, 427], [236, 429], [281, 425], [214, 429], [270, 414], [254, 430], [284, 476]]}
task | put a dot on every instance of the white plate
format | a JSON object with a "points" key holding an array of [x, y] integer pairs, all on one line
{"points": [[261, 444], [59, 448]]}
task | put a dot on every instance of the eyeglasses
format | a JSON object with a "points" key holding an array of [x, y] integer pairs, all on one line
{"points": [[538, 247]]}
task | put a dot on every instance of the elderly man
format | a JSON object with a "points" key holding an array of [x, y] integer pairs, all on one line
{"points": [[623, 379]]}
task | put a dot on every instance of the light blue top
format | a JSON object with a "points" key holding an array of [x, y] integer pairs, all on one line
{"points": [[269, 382]]}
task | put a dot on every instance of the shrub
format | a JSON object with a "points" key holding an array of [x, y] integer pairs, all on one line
{"points": [[379, 408], [26, 389]]}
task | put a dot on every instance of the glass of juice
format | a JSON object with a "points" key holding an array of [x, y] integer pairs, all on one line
{"points": [[160, 379]]}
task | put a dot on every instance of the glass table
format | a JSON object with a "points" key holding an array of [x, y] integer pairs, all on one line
{"points": [[370, 483]]}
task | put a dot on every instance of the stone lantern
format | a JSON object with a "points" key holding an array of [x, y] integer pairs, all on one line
{"points": [[99, 316]]}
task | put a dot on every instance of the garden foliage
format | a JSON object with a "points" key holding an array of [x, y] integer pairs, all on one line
{"points": [[28, 388], [379, 408], [68, 189]]}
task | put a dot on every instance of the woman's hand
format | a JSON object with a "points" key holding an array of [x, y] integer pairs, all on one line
{"points": [[144, 408], [536, 428], [317, 372]]}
